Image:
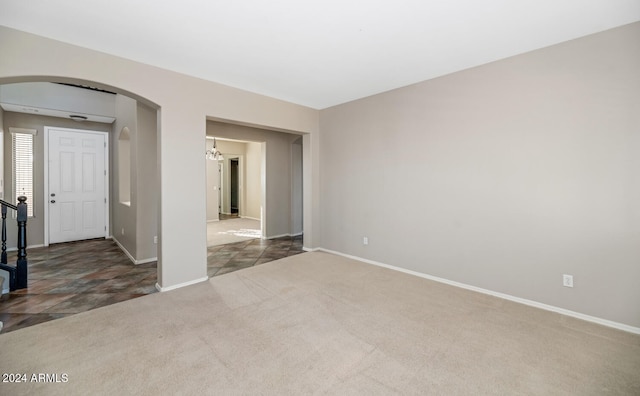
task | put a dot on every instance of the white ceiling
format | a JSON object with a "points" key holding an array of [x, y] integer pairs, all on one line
{"points": [[317, 53]]}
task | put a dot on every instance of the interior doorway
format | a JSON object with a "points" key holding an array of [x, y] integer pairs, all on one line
{"points": [[233, 191], [270, 172], [234, 203]]}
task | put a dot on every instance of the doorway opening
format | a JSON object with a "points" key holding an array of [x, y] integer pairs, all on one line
{"points": [[234, 192], [270, 179], [233, 181]]}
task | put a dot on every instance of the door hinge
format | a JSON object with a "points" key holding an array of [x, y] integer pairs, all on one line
{"points": [[105, 200]]}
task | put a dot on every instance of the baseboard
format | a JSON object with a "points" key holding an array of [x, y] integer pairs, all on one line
{"points": [[144, 261], [250, 218], [178, 286], [282, 236], [124, 250], [213, 221], [531, 303], [13, 249], [133, 260], [306, 249]]}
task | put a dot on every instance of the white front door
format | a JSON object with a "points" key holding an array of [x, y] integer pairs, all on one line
{"points": [[77, 189]]}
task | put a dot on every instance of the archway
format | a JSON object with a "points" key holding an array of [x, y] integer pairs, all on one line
{"points": [[143, 108]]}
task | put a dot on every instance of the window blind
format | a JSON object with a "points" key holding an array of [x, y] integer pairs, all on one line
{"points": [[23, 168]]}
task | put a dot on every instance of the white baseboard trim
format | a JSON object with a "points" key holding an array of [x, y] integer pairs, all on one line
{"points": [[133, 260], [277, 236], [213, 221], [147, 260], [282, 236], [250, 218], [178, 286], [13, 249], [306, 249], [125, 251], [531, 303]]}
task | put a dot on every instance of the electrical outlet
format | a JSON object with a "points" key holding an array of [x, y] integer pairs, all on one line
{"points": [[155, 239], [567, 280], [122, 231], [365, 241]]}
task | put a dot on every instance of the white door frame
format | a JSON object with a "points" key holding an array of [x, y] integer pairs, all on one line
{"points": [[46, 177]]}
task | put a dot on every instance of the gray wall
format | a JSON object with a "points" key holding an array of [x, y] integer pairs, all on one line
{"points": [[277, 203], [503, 177]]}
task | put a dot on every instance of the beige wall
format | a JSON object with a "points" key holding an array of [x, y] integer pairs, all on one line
{"points": [[296, 187], [146, 183], [184, 104], [253, 180], [35, 225], [503, 177], [123, 227]]}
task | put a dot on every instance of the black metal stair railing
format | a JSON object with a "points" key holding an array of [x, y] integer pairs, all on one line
{"points": [[18, 274]]}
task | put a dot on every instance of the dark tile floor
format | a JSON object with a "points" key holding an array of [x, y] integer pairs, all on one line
{"points": [[234, 256], [69, 278]]}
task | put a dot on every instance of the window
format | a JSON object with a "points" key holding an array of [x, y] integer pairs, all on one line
{"points": [[22, 146]]}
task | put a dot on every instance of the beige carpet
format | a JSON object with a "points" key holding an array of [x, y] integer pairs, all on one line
{"points": [[316, 323], [232, 230]]}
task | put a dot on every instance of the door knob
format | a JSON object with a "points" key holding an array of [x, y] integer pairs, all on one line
{"points": [[53, 201], [53, 194]]}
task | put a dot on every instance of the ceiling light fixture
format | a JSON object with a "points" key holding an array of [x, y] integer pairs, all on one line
{"points": [[213, 154]]}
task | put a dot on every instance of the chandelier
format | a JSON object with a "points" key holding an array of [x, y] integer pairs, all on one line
{"points": [[213, 154]]}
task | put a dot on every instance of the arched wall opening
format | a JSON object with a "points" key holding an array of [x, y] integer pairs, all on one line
{"points": [[134, 222]]}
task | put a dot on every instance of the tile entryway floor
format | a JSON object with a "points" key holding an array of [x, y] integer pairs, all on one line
{"points": [[69, 278], [234, 256]]}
